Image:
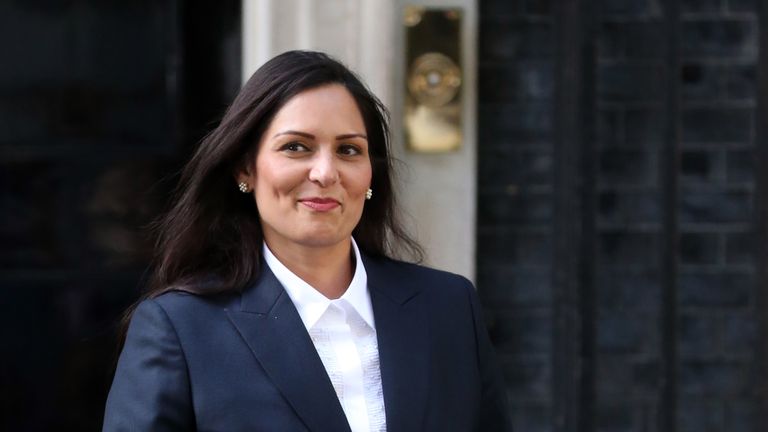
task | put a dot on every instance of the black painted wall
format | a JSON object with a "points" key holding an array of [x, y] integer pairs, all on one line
{"points": [[620, 232], [100, 101]]}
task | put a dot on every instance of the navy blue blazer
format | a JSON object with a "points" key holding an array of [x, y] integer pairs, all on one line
{"points": [[245, 362]]}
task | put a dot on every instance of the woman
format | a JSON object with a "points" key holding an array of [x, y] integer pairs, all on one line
{"points": [[274, 305]]}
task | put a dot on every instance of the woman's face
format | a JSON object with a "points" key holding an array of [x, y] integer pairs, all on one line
{"points": [[312, 170]]}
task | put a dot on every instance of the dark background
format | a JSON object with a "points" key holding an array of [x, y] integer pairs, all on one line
{"points": [[621, 216], [621, 212], [100, 103]]}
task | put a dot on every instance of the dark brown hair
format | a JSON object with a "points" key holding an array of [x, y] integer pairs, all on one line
{"points": [[212, 231]]}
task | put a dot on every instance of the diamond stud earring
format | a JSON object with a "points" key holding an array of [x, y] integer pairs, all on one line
{"points": [[368, 194], [243, 186]]}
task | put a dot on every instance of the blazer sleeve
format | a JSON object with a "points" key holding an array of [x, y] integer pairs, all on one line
{"points": [[494, 407], [150, 390]]}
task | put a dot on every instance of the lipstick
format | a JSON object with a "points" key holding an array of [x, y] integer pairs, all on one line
{"points": [[320, 204]]}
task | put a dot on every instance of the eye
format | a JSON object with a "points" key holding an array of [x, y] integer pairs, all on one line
{"points": [[349, 150], [294, 147]]}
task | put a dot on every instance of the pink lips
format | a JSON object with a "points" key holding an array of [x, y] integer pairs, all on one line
{"points": [[320, 204]]}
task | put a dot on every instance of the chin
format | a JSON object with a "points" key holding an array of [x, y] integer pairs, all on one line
{"points": [[322, 238]]}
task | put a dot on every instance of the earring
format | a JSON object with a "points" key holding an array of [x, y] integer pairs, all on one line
{"points": [[243, 186], [368, 194]]}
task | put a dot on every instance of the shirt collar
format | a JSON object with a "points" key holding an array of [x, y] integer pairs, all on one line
{"points": [[310, 303]]}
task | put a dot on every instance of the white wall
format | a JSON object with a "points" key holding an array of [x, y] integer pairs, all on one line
{"points": [[437, 192]]}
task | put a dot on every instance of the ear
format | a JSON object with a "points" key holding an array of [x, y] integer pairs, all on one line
{"points": [[243, 177], [244, 173]]}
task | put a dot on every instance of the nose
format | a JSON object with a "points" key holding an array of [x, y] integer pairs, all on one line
{"points": [[324, 171]]}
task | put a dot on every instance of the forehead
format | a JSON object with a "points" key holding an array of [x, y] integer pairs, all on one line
{"points": [[325, 107]]}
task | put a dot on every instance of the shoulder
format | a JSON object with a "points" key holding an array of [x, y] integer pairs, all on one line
{"points": [[407, 269], [175, 301], [182, 307], [392, 274]]}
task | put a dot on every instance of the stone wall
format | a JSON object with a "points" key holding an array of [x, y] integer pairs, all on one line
{"points": [[515, 198]]}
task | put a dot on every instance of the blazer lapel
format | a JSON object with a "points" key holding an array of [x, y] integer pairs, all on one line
{"points": [[402, 332], [271, 326]]}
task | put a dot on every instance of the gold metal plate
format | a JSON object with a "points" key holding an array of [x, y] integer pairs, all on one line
{"points": [[433, 79]]}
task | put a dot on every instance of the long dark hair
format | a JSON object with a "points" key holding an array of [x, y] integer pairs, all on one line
{"points": [[212, 230]]}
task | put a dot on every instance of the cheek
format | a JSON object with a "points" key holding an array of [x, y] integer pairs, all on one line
{"points": [[358, 185], [368, 180], [276, 180], [365, 176]]}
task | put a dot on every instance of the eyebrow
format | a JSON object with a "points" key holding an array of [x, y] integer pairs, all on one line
{"points": [[310, 136]]}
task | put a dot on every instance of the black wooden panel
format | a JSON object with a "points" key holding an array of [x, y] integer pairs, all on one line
{"points": [[759, 415], [100, 102]]}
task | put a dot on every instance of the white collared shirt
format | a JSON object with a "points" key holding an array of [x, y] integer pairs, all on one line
{"points": [[344, 334]]}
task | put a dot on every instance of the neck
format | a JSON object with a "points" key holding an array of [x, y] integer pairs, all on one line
{"points": [[329, 270]]}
